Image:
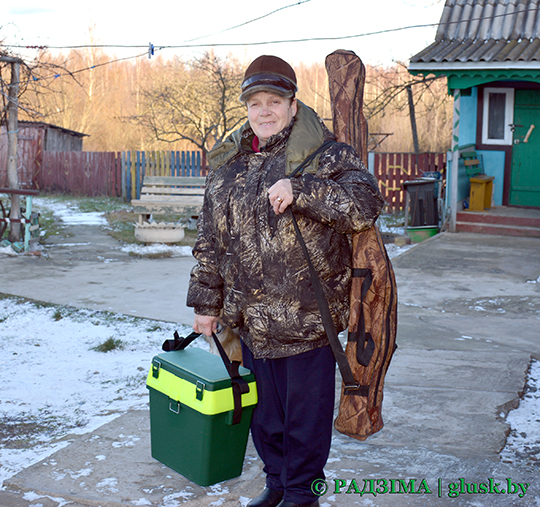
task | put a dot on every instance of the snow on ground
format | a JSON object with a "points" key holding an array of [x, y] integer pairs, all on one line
{"points": [[524, 438], [54, 381], [158, 248], [69, 213]]}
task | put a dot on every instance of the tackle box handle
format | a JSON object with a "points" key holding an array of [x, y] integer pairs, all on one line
{"points": [[239, 385]]}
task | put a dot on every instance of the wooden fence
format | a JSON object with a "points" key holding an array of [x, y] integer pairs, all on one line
{"points": [[121, 174], [392, 169], [102, 173], [80, 173]]}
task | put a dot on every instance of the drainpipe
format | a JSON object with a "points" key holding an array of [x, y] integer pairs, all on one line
{"points": [[455, 161]]}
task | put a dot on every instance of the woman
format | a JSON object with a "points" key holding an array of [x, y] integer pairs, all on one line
{"points": [[252, 272]]}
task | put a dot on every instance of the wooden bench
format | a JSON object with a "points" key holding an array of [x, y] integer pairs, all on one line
{"points": [[170, 195]]}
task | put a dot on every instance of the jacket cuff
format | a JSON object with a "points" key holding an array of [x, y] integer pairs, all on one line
{"points": [[297, 187], [207, 311]]}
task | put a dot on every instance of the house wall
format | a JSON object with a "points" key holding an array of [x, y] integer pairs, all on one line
{"points": [[494, 166], [467, 135], [493, 160]]}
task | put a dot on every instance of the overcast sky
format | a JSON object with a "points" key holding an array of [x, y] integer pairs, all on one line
{"points": [[174, 22]]}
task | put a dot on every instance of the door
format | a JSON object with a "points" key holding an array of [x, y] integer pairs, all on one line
{"points": [[525, 177]]}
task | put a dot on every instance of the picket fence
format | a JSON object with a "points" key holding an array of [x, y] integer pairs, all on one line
{"points": [[390, 169], [138, 164], [393, 169]]}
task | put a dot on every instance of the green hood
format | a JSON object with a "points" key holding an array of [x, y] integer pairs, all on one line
{"points": [[306, 136]]}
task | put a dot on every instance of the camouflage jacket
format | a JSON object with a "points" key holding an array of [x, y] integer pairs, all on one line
{"points": [[250, 265]]}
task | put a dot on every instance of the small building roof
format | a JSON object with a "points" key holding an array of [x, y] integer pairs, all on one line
{"points": [[500, 38], [483, 20], [50, 125], [29, 123]]}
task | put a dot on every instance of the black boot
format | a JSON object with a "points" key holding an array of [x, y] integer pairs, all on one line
{"points": [[290, 504], [268, 498]]}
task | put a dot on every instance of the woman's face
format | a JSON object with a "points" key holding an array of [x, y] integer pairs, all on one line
{"points": [[269, 114]]}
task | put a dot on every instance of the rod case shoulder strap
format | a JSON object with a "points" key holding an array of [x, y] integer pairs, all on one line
{"points": [[351, 386], [309, 158], [365, 345]]}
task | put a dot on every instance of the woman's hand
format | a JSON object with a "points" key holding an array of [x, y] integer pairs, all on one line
{"points": [[205, 324], [280, 195]]}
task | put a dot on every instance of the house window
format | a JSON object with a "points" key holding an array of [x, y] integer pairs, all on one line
{"points": [[498, 116]]}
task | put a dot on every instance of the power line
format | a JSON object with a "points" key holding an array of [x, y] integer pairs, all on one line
{"points": [[345, 37], [193, 46], [151, 47], [288, 41], [250, 21]]}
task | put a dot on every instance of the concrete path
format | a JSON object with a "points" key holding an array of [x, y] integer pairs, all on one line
{"points": [[468, 326]]}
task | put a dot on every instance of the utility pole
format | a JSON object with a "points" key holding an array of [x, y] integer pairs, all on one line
{"points": [[13, 137], [412, 115]]}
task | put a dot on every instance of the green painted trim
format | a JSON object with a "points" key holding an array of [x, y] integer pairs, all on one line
{"points": [[461, 80]]}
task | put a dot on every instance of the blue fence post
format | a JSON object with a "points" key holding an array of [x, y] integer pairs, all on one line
{"points": [[143, 165], [138, 176], [198, 163]]}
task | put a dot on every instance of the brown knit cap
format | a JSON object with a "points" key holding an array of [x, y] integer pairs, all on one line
{"points": [[269, 74]]}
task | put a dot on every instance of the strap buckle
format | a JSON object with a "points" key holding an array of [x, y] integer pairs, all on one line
{"points": [[356, 389]]}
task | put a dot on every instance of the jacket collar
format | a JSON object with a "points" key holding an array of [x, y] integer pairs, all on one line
{"points": [[306, 134]]}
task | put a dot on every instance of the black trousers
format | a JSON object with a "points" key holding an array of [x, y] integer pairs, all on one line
{"points": [[292, 422]]}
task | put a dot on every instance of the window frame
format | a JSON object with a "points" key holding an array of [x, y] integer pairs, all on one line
{"points": [[508, 114]]}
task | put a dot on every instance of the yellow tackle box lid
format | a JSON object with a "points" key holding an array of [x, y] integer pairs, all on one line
{"points": [[199, 380]]}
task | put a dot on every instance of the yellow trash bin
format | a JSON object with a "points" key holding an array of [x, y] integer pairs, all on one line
{"points": [[481, 192]]}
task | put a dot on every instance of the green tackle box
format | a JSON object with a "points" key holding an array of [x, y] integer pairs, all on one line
{"points": [[191, 415]]}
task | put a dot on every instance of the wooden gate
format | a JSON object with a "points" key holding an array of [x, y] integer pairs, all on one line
{"points": [[392, 169]]}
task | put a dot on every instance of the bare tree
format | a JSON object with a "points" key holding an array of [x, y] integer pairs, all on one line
{"points": [[394, 91], [13, 93], [197, 102]]}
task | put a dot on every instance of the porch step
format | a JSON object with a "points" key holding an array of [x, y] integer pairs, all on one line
{"points": [[501, 220]]}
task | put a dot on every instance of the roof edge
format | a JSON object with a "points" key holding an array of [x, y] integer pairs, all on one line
{"points": [[464, 66]]}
